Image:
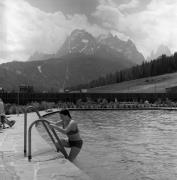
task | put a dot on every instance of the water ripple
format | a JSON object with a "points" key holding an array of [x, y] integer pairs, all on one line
{"points": [[130, 145]]}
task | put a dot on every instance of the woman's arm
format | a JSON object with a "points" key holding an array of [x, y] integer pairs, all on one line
{"points": [[70, 126], [59, 123]]}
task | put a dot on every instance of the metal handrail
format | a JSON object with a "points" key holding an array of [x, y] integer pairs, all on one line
{"points": [[50, 135], [25, 125], [59, 142]]}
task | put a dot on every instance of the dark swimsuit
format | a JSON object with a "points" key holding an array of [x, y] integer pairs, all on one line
{"points": [[77, 143]]}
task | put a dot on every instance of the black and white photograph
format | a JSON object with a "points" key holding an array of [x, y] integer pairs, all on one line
{"points": [[88, 90]]}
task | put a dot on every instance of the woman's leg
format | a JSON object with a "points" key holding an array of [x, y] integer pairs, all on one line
{"points": [[73, 153]]}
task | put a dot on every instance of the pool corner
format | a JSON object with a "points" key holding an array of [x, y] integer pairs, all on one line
{"points": [[45, 164]]}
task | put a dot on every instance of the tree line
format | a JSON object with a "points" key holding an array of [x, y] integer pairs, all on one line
{"points": [[162, 65]]}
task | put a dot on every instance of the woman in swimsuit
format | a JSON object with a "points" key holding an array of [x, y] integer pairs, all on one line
{"points": [[70, 128]]}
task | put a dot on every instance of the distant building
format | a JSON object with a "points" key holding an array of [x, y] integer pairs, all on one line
{"points": [[26, 89], [171, 89]]}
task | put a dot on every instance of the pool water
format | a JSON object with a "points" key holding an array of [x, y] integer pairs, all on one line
{"points": [[127, 145]]}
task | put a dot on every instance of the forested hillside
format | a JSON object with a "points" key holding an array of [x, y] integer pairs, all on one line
{"points": [[162, 65]]}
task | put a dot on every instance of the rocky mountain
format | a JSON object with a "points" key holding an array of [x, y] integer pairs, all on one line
{"points": [[84, 43], [81, 59], [127, 48], [162, 49], [81, 41]]}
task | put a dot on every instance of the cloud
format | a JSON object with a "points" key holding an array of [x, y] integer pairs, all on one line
{"points": [[25, 29], [148, 28], [28, 29], [130, 5], [109, 14]]}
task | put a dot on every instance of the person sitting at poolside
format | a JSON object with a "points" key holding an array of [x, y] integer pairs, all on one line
{"points": [[3, 118], [70, 128]]}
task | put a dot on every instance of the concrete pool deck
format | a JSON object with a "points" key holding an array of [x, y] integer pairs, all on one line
{"points": [[46, 164]]}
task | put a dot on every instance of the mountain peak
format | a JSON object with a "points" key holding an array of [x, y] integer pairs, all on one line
{"points": [[102, 38], [127, 48], [162, 49], [82, 42], [78, 32]]}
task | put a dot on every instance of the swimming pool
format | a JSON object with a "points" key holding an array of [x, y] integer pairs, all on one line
{"points": [[128, 145]]}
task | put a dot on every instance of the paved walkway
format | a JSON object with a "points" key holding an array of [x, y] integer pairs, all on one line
{"points": [[45, 164]]}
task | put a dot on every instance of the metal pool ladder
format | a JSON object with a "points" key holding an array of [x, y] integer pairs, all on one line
{"points": [[53, 136]]}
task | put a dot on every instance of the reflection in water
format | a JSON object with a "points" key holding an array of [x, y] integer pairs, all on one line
{"points": [[130, 145]]}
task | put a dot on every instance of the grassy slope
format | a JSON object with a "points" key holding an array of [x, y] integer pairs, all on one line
{"points": [[156, 84]]}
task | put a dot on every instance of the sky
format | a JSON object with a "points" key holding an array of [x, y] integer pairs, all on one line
{"points": [[27, 26]]}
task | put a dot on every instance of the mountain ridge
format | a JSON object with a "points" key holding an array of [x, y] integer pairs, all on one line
{"points": [[161, 50], [80, 41], [81, 59], [56, 74]]}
